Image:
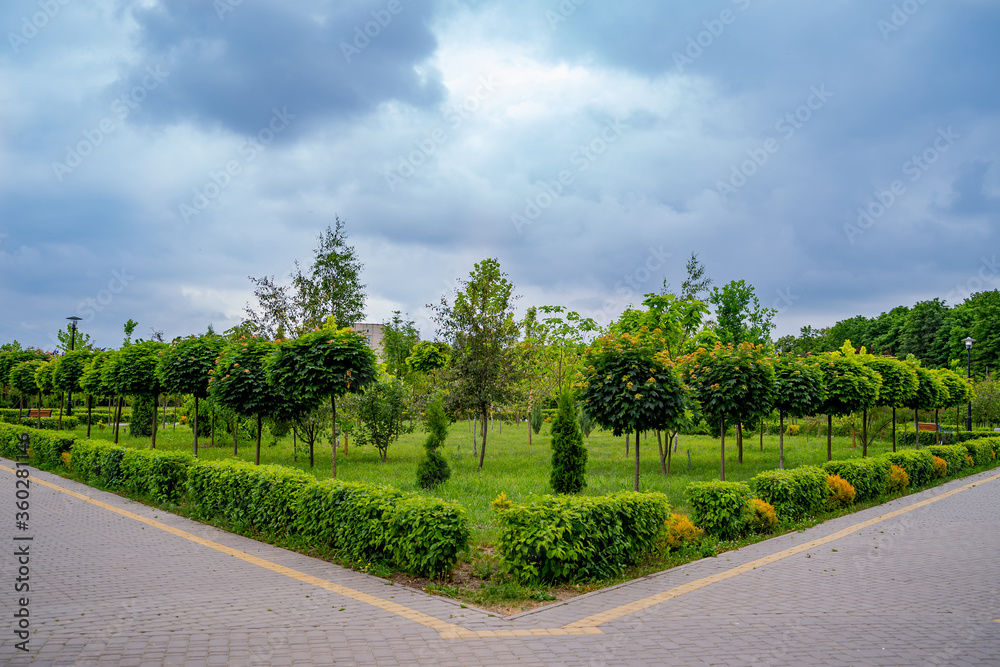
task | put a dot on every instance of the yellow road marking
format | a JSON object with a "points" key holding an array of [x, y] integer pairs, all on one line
{"points": [[585, 626]]}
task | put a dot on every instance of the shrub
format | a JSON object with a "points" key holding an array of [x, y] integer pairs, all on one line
{"points": [[66, 460], [762, 517], [573, 538], [426, 535], [161, 476], [981, 451], [840, 492], [141, 422], [969, 461], [501, 503], [954, 456], [869, 477], [719, 508], [433, 469], [940, 467], [680, 531], [918, 464], [793, 493], [898, 479], [792, 429], [569, 456]]}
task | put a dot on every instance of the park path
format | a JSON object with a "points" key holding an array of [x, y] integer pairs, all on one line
{"points": [[113, 582]]}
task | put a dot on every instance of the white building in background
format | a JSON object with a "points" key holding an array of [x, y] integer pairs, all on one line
{"points": [[372, 332]]}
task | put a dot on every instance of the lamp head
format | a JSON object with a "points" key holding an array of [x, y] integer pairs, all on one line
{"points": [[968, 342]]}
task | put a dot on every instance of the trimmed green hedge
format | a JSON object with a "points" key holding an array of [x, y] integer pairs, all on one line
{"points": [[931, 438], [954, 456], [793, 493], [869, 477], [578, 538], [46, 448], [160, 476], [981, 451], [918, 464], [719, 508]]}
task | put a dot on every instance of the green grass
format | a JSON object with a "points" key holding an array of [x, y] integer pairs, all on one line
{"points": [[514, 468]]}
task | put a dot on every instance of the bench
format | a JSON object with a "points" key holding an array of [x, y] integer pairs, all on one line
{"points": [[46, 413], [924, 426]]}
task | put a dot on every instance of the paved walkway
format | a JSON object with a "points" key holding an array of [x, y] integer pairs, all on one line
{"points": [[914, 582]]}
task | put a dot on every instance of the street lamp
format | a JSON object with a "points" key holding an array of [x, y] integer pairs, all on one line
{"points": [[72, 343], [968, 374]]}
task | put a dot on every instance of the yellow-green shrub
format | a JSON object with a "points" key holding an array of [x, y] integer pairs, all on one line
{"points": [[969, 461], [792, 429], [940, 467], [680, 531], [65, 459], [762, 517], [840, 492], [898, 479]]}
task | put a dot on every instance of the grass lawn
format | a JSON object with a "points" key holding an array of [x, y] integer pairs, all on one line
{"points": [[514, 468]]}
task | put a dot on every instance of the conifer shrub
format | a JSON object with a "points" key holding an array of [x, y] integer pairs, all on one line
{"points": [[569, 456], [433, 469], [761, 516], [898, 479], [940, 467], [841, 493], [680, 532]]}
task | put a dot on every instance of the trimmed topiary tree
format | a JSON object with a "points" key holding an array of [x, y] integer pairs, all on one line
{"points": [[69, 372], [92, 382], [850, 387], [927, 397], [240, 383], [186, 367], [899, 385], [433, 469], [569, 456], [798, 392]]}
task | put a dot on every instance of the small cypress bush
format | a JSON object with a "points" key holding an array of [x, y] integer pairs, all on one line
{"points": [[537, 418], [569, 456], [433, 469], [141, 421]]}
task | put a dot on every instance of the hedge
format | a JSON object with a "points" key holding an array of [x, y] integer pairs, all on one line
{"points": [[45, 449], [160, 476], [869, 476], [918, 464], [719, 508], [927, 438], [954, 456], [981, 451], [793, 493], [577, 538], [258, 497], [49, 423]]}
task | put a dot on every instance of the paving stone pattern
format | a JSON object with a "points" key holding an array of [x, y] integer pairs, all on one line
{"points": [[919, 589]]}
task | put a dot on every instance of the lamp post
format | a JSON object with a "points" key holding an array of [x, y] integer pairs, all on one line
{"points": [[72, 343], [968, 374]]}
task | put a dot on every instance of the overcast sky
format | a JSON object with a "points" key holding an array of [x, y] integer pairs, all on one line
{"points": [[153, 155]]}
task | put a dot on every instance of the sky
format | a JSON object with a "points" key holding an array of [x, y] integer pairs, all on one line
{"points": [[841, 157]]}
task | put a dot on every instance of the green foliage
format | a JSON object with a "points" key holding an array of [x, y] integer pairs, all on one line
{"points": [[69, 370], [141, 421], [585, 421], [573, 538], [537, 418], [851, 386], [398, 338], [185, 367], [955, 386], [48, 423], [427, 356], [736, 382], [918, 464], [239, 380], [868, 476], [131, 371], [981, 452], [667, 320], [569, 456], [380, 410], [22, 377], [899, 380], [320, 364], [720, 508], [44, 379], [92, 380], [793, 493], [426, 535], [928, 396], [740, 317], [160, 476], [433, 469], [798, 386], [954, 456]]}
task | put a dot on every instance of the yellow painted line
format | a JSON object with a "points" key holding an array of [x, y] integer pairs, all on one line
{"points": [[585, 626], [646, 603]]}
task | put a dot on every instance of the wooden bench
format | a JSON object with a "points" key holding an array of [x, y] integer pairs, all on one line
{"points": [[923, 426], [46, 413]]}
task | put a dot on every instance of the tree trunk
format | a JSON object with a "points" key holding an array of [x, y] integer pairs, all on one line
{"points": [[156, 418], [663, 455], [530, 427], [722, 453], [295, 450], [894, 428], [211, 442], [39, 415], [626, 445], [829, 437], [89, 413], [781, 440], [164, 410], [475, 434], [20, 409], [916, 426], [236, 435], [482, 450], [333, 436], [256, 459], [118, 416], [59, 425], [670, 449], [196, 426], [637, 460], [739, 440], [864, 433], [762, 435], [175, 413]]}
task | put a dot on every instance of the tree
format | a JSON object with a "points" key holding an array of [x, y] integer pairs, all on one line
{"points": [[22, 379], [239, 381], [958, 388], [330, 287], [850, 387], [798, 392], [482, 332], [899, 385], [81, 341], [380, 409], [323, 364], [11, 355], [185, 367], [433, 469], [669, 321], [696, 282], [132, 372], [740, 317], [45, 382], [733, 382], [92, 382], [69, 371], [569, 456], [928, 396], [427, 357], [399, 336], [629, 388]]}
